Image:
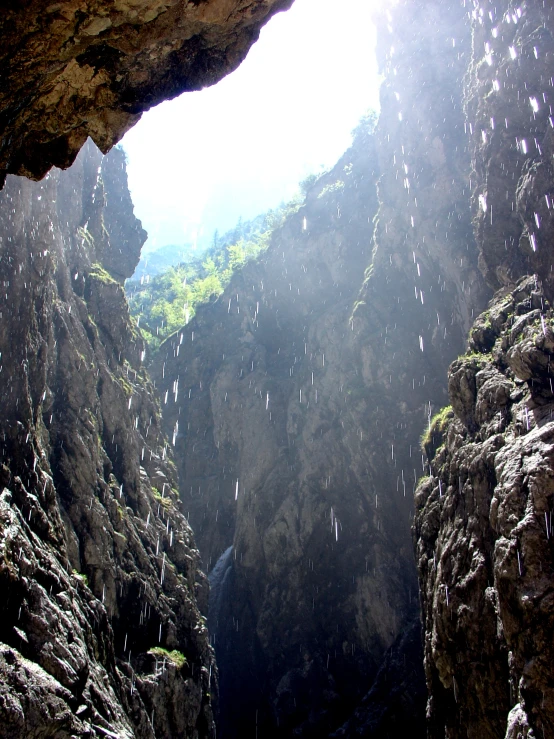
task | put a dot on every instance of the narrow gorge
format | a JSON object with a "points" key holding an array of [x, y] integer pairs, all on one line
{"points": [[102, 630], [323, 507]]}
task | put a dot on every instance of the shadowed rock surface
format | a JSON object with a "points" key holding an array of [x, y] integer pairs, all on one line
{"points": [[279, 457], [393, 705], [75, 69], [297, 400], [371, 288], [97, 565], [483, 517], [483, 529]]}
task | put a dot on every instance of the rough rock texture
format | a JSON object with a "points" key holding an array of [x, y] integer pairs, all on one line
{"points": [[484, 561], [75, 69], [484, 530], [279, 456], [97, 565], [509, 97], [297, 401], [311, 603]]}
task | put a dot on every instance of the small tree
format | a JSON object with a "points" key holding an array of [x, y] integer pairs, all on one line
{"points": [[366, 125], [307, 183]]}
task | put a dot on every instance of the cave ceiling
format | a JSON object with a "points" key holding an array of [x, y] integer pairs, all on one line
{"points": [[79, 68]]}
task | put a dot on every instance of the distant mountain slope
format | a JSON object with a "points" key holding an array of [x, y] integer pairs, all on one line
{"points": [[164, 302], [155, 262]]}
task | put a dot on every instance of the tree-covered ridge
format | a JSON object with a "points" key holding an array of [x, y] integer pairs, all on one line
{"points": [[164, 303], [167, 301]]}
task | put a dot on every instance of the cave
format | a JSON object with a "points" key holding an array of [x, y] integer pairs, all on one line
{"points": [[322, 507]]}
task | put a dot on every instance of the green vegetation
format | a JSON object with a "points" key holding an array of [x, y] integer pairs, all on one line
{"points": [[178, 658], [168, 301], [163, 304], [432, 438], [97, 272], [166, 502], [335, 187], [421, 480], [127, 387], [86, 237], [479, 356], [441, 419], [81, 576], [366, 126], [308, 182], [487, 323]]}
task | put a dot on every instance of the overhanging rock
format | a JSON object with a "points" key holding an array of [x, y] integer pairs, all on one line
{"points": [[76, 69]]}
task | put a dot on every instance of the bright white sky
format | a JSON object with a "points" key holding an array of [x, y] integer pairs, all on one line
{"points": [[201, 161]]}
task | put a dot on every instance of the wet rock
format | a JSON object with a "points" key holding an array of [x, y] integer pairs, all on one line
{"points": [[465, 119], [508, 90], [74, 70], [369, 289], [281, 457], [484, 539], [97, 565]]}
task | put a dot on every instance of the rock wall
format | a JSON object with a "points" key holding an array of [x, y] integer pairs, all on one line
{"points": [[483, 528], [482, 523], [296, 402], [264, 395], [77, 69], [313, 605], [509, 96], [97, 565]]}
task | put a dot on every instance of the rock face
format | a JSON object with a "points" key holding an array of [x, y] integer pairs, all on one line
{"points": [[97, 565], [297, 400], [464, 149], [77, 69], [482, 528], [509, 95], [278, 457]]}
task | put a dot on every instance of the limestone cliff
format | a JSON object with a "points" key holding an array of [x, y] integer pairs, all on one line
{"points": [[509, 121], [464, 154], [264, 393], [296, 402], [483, 515], [100, 629], [75, 69], [483, 529]]}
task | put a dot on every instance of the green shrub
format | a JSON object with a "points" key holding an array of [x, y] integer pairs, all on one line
{"points": [[178, 658], [97, 272], [167, 302], [81, 576], [433, 437]]}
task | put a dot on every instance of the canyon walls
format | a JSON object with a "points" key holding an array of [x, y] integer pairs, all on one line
{"points": [[483, 516], [483, 529], [284, 456], [297, 399], [100, 628]]}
